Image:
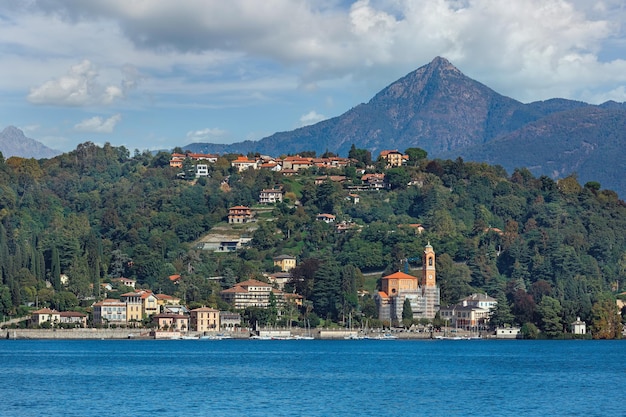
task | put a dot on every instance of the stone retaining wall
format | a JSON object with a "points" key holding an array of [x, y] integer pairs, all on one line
{"points": [[75, 333]]}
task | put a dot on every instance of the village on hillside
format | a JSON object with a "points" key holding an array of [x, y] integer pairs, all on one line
{"points": [[275, 302]]}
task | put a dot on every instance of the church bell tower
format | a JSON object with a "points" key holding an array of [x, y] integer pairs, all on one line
{"points": [[429, 276]]}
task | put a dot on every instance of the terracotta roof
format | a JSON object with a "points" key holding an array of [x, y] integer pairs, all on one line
{"points": [[399, 275], [45, 311], [253, 283], [72, 314], [166, 297], [235, 289]]}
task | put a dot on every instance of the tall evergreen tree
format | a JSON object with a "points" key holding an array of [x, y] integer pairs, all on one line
{"points": [[327, 289], [55, 269]]}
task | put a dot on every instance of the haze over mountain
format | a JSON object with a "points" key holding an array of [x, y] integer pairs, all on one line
{"points": [[439, 109], [13, 142]]}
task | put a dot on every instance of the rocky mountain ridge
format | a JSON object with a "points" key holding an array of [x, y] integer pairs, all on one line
{"points": [[13, 142], [439, 109]]}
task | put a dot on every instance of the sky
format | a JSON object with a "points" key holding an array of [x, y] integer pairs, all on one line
{"points": [[155, 74]]}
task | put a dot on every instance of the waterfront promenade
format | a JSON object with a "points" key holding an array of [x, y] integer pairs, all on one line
{"points": [[130, 333]]}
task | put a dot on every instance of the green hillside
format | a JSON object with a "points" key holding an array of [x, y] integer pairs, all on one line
{"points": [[548, 251]]}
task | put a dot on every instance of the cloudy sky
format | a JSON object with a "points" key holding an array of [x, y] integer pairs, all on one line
{"points": [[154, 74]]}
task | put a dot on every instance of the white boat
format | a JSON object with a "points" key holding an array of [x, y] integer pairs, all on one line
{"points": [[386, 336]]}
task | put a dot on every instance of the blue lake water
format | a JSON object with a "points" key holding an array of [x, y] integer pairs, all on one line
{"points": [[311, 378]]}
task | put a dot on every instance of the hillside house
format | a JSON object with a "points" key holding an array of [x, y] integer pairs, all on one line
{"points": [[239, 214], [127, 282], [325, 217], [285, 262], [202, 170], [394, 158], [242, 163], [271, 196], [297, 163], [374, 181]]}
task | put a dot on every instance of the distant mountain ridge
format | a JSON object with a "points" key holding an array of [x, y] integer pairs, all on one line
{"points": [[439, 109], [13, 142]]}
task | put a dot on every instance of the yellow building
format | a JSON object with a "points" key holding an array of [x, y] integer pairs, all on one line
{"points": [[285, 262], [145, 298], [45, 315], [205, 319], [173, 322], [393, 158]]}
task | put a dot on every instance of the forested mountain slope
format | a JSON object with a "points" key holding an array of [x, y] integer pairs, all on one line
{"points": [[549, 251]]}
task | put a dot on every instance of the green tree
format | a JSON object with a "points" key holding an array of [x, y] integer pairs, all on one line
{"points": [[416, 155], [529, 331], [606, 322], [501, 316], [6, 305], [55, 269], [327, 289], [549, 310], [362, 156], [407, 312], [397, 178], [264, 236]]}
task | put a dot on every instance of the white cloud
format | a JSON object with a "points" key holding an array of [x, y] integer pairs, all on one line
{"points": [[528, 49], [213, 135], [311, 117], [79, 87], [97, 124]]}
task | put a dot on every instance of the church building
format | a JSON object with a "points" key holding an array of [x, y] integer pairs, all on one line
{"points": [[422, 292]]}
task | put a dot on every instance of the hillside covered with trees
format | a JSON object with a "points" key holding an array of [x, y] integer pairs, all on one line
{"points": [[549, 252]]}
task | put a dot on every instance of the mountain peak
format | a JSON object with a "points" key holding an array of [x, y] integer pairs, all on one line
{"points": [[440, 61], [13, 142], [12, 131]]}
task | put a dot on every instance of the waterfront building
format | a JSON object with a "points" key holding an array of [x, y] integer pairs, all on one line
{"points": [[173, 322], [205, 319], [472, 312], [423, 293], [74, 318], [109, 312], [144, 298], [579, 326], [508, 333], [254, 293], [229, 320], [44, 315]]}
